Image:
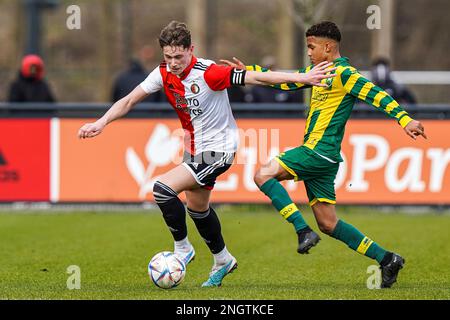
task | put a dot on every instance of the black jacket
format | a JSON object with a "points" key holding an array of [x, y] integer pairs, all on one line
{"points": [[398, 91], [130, 79], [30, 90]]}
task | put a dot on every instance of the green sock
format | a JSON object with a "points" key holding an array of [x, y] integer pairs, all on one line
{"points": [[357, 241], [283, 203]]}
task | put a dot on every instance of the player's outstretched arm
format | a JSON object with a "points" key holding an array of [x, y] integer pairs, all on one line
{"points": [[238, 64], [361, 88], [313, 77], [117, 110]]}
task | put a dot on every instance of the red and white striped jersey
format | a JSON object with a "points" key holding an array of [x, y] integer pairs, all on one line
{"points": [[200, 99]]}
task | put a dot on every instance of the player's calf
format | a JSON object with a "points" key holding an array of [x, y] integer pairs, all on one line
{"points": [[208, 225], [173, 210]]}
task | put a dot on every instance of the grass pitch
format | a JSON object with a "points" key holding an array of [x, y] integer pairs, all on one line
{"points": [[113, 249]]}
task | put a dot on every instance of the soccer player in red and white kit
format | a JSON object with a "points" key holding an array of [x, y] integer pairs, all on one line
{"points": [[196, 89]]}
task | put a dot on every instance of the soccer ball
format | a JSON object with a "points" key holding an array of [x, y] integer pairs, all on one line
{"points": [[166, 270]]}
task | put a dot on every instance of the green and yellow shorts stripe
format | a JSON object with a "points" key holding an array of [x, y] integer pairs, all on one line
{"points": [[317, 173]]}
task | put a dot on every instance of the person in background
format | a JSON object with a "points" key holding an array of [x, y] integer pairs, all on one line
{"points": [[381, 76], [30, 85], [134, 75]]}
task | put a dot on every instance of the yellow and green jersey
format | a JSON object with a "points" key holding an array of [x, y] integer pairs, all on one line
{"points": [[331, 106]]}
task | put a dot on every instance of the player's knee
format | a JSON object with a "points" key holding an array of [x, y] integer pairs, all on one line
{"points": [[327, 226], [163, 193], [197, 205], [261, 177]]}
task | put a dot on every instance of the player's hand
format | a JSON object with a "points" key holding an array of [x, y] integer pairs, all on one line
{"points": [[318, 73], [90, 130], [238, 64], [414, 128]]}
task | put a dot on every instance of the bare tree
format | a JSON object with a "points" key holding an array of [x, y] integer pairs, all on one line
{"points": [[197, 19], [308, 12], [106, 49]]}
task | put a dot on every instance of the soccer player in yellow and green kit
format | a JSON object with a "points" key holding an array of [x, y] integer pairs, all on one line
{"points": [[316, 162]]}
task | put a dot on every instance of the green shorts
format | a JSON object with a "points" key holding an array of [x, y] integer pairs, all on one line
{"points": [[317, 173]]}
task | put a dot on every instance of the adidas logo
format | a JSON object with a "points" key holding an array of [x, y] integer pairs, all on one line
{"points": [[206, 240], [195, 165]]}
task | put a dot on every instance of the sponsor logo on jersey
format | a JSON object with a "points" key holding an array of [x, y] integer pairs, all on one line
{"points": [[187, 105], [195, 112], [180, 102], [319, 96]]}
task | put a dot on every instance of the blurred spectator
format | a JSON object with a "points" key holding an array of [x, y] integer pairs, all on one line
{"points": [[381, 76], [134, 75], [30, 85], [268, 94]]}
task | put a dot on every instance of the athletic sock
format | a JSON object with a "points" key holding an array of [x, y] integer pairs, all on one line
{"points": [[208, 225], [182, 245], [173, 210], [357, 241], [222, 257], [283, 203]]}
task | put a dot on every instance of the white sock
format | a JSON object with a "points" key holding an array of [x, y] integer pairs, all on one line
{"points": [[183, 245], [222, 257]]}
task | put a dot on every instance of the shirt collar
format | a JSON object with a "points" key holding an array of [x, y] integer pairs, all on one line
{"points": [[341, 59]]}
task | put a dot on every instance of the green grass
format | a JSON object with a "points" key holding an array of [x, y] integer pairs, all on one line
{"points": [[113, 249]]}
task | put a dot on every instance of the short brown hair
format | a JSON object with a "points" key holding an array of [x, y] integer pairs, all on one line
{"points": [[175, 34]]}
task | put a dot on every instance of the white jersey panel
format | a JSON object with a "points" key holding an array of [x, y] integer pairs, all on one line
{"points": [[215, 128], [153, 82]]}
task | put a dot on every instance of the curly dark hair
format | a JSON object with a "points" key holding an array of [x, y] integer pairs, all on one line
{"points": [[325, 29], [175, 34]]}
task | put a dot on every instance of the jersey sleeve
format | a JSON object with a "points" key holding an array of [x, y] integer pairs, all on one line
{"points": [[220, 78], [358, 86], [153, 82], [283, 86]]}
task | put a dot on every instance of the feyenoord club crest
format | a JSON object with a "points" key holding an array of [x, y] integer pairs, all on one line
{"points": [[195, 88]]}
